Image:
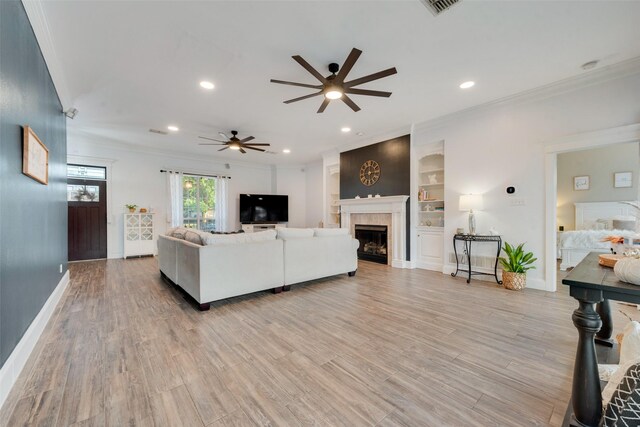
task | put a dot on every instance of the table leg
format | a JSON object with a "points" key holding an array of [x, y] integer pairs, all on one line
{"points": [[467, 247], [455, 252], [603, 336], [585, 393], [495, 268]]}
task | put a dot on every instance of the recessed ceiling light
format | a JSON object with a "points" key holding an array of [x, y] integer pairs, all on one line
{"points": [[173, 128], [467, 85], [286, 151], [207, 85], [346, 129]]}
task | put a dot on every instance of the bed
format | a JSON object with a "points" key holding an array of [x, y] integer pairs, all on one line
{"points": [[595, 221]]}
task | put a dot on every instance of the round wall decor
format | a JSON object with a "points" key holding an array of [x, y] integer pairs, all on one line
{"points": [[369, 172]]}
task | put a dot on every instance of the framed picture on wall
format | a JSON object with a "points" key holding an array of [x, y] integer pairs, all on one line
{"points": [[581, 183], [623, 179], [35, 156]]}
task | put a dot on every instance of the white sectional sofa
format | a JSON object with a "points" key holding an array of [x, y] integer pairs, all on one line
{"points": [[211, 267]]}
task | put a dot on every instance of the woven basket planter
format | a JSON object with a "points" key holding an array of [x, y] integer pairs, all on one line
{"points": [[514, 281]]}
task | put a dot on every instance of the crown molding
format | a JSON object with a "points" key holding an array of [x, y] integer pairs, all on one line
{"points": [[38, 20], [593, 139], [551, 90], [85, 138]]}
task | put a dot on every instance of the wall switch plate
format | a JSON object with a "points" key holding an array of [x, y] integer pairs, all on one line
{"points": [[60, 268], [517, 202]]}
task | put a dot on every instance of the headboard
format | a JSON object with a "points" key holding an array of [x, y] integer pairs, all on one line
{"points": [[588, 213]]}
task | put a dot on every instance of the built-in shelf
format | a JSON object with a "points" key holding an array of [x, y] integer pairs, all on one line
{"points": [[437, 184], [431, 212], [430, 223], [430, 201], [432, 170]]}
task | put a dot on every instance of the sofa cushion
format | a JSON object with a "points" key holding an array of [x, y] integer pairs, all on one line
{"points": [[294, 233], [260, 236], [224, 239], [326, 232]]}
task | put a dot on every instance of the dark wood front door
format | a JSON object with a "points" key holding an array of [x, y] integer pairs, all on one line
{"points": [[87, 219]]}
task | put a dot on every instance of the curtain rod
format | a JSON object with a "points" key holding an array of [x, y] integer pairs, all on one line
{"points": [[197, 174]]}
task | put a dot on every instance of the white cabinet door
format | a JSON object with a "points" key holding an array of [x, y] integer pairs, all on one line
{"points": [[430, 250]]}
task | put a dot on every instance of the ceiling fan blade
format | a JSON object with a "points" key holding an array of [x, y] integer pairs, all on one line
{"points": [[371, 77], [207, 143], [348, 65], [249, 138], [309, 68], [224, 135], [324, 104], [222, 149], [282, 82], [211, 139], [261, 144], [355, 91], [242, 151], [350, 103], [302, 97], [251, 148]]}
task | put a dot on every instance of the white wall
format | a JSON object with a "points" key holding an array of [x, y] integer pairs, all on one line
{"points": [[600, 164], [491, 148], [136, 178], [314, 192], [292, 182]]}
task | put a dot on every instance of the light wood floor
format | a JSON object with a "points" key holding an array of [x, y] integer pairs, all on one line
{"points": [[387, 347]]}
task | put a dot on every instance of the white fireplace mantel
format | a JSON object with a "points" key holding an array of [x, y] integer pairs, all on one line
{"points": [[394, 205]]}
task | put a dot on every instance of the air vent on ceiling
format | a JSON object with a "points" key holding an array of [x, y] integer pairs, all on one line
{"points": [[438, 6], [161, 132], [269, 152]]}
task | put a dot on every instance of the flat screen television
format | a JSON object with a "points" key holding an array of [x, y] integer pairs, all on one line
{"points": [[263, 208]]}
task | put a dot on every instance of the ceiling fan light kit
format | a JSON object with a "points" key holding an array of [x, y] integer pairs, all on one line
{"points": [[334, 87]]}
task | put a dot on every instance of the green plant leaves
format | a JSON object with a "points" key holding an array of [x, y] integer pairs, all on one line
{"points": [[517, 260]]}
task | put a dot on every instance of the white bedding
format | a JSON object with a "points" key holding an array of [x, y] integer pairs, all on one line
{"points": [[590, 239]]}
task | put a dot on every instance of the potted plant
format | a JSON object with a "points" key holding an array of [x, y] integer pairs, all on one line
{"points": [[132, 208], [515, 266]]}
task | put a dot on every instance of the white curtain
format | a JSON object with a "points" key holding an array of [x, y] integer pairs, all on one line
{"points": [[221, 203], [174, 208]]}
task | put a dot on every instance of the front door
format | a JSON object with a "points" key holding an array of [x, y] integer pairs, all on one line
{"points": [[87, 200]]}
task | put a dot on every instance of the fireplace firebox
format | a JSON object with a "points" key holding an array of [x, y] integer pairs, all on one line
{"points": [[373, 242]]}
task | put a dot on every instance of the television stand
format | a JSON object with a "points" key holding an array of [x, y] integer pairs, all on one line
{"points": [[250, 228]]}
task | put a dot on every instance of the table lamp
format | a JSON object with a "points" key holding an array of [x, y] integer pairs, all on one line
{"points": [[469, 202]]}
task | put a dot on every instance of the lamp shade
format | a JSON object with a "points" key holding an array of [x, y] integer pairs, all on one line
{"points": [[471, 202]]}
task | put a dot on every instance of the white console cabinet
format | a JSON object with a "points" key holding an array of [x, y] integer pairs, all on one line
{"points": [[250, 228], [139, 235]]}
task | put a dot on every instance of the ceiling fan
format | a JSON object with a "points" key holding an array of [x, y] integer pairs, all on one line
{"points": [[234, 143], [334, 86]]}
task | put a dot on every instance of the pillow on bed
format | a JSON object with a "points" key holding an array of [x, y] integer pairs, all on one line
{"points": [[619, 224]]}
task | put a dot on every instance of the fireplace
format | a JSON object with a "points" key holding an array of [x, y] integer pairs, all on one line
{"points": [[373, 242]]}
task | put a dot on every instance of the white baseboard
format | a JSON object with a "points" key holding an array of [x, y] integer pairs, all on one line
{"points": [[18, 358], [433, 266], [402, 264]]}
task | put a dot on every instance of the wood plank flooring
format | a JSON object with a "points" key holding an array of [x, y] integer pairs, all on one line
{"points": [[388, 347]]}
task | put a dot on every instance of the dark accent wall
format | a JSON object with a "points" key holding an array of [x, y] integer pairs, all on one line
{"points": [[393, 156], [33, 217]]}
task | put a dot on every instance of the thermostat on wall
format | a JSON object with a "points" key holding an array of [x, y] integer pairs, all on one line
{"points": [[511, 190]]}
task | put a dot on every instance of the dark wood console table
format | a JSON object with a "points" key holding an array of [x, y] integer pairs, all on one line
{"points": [[592, 284], [468, 239]]}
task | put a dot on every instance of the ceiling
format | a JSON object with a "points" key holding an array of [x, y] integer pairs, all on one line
{"points": [[133, 65]]}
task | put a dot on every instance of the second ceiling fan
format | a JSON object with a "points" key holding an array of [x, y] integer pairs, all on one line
{"points": [[235, 143], [334, 86]]}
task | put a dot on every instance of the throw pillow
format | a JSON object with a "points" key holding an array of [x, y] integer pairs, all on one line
{"points": [[193, 237]]}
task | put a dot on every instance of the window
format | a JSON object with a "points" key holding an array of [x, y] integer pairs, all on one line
{"points": [[199, 202]]}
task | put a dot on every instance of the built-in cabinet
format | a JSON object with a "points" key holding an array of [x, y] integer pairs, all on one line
{"points": [[332, 217], [139, 235], [430, 207]]}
